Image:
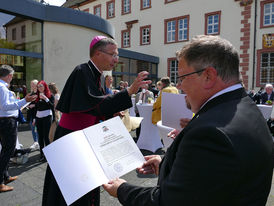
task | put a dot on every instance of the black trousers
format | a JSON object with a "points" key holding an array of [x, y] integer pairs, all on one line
{"points": [[43, 126], [8, 135]]}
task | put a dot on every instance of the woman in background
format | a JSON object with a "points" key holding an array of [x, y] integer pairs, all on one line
{"points": [[44, 114], [53, 89], [31, 116]]}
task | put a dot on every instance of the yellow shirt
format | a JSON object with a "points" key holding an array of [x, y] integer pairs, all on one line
{"points": [[156, 111]]}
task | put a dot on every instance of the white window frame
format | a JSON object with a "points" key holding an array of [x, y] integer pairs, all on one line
{"points": [[171, 31], [269, 12], [126, 6], [183, 29], [111, 10], [173, 70], [146, 4], [97, 11], [145, 35], [126, 39], [213, 23], [268, 68]]}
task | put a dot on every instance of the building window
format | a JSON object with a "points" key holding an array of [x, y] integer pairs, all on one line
{"points": [[267, 67], [177, 29], [173, 69], [110, 9], [171, 31], [86, 10], [97, 10], [126, 6], [212, 23], [145, 35], [13, 31], [23, 31], [125, 38], [33, 29], [145, 4], [267, 13], [183, 29]]}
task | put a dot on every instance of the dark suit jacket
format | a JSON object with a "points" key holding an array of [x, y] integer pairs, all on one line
{"points": [[223, 157], [264, 97]]}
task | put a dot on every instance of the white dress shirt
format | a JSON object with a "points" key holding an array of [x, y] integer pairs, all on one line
{"points": [[9, 105]]}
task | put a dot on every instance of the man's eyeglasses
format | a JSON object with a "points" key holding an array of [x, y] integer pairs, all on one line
{"points": [[182, 77], [114, 56]]}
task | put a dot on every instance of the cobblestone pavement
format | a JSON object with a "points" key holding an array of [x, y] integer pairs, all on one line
{"points": [[28, 187]]}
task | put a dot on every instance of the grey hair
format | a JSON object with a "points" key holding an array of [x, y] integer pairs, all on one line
{"points": [[269, 85], [100, 45], [212, 51], [5, 70]]}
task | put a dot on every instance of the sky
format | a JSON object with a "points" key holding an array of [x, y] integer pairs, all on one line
{"points": [[55, 2]]}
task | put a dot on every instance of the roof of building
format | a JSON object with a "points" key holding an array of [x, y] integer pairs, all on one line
{"points": [[41, 12]]}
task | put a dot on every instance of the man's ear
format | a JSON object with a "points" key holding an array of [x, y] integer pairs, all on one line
{"points": [[210, 77]]}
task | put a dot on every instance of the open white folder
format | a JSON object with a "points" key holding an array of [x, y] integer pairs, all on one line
{"points": [[174, 108], [86, 159]]}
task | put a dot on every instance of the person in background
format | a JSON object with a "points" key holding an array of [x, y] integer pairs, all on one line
{"points": [[154, 90], [159, 86], [54, 90], [44, 115], [9, 107], [125, 84], [108, 84], [121, 86], [257, 98], [268, 96], [31, 112], [220, 157], [84, 103], [142, 97], [156, 111]]}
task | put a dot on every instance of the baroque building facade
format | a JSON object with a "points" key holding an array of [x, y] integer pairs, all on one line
{"points": [[162, 27]]}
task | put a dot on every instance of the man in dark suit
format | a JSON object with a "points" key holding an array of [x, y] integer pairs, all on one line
{"points": [[268, 94], [223, 157]]}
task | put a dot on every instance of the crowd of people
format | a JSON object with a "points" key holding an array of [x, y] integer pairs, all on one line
{"points": [[212, 161]]}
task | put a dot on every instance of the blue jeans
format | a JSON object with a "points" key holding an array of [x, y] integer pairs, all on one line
{"points": [[33, 131]]}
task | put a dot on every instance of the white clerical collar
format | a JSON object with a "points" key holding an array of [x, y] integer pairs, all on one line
{"points": [[95, 66], [228, 89]]}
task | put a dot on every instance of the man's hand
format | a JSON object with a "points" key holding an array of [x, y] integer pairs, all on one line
{"points": [[30, 98], [112, 186], [173, 134], [120, 114], [151, 166], [138, 82], [184, 122]]}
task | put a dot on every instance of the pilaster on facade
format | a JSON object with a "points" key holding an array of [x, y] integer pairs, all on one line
{"points": [[245, 40]]}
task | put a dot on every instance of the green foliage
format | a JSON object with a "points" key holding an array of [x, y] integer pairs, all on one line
{"points": [[7, 45]]}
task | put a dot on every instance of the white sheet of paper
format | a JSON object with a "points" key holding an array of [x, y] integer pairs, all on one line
{"points": [[115, 148], [74, 166], [173, 109], [86, 159]]}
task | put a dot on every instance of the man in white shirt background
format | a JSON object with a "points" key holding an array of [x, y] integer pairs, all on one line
{"points": [[9, 107]]}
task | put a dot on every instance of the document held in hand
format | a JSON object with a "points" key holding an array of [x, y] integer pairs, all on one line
{"points": [[173, 109], [88, 158]]}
